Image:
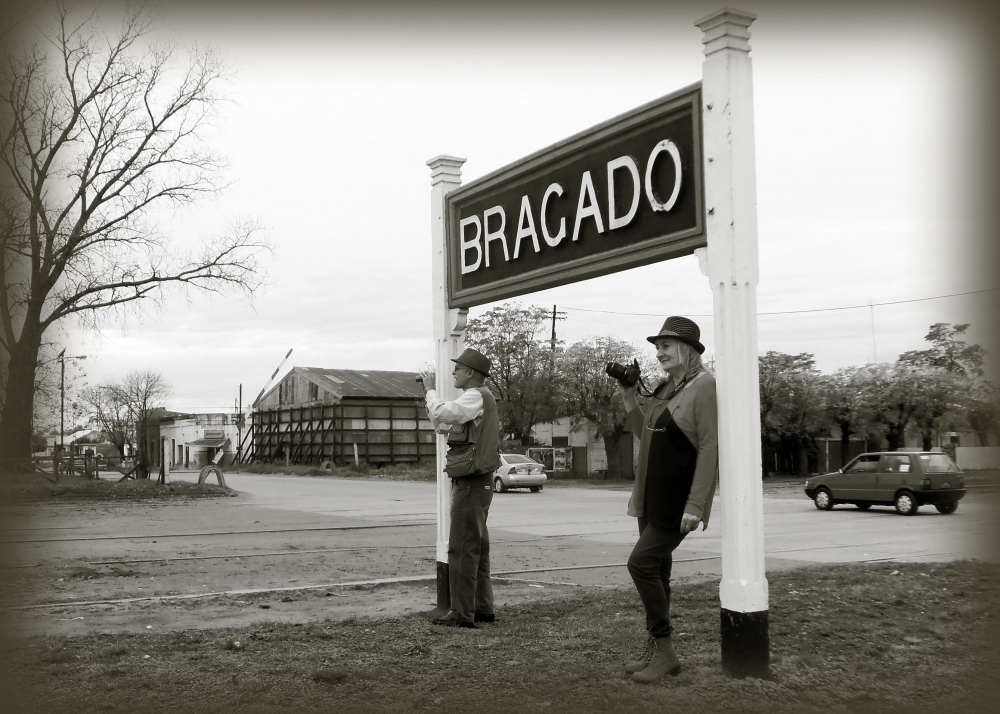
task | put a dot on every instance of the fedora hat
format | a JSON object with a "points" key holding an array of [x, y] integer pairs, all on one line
{"points": [[680, 328], [474, 359]]}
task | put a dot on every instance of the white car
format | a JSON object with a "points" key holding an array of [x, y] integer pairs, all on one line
{"points": [[517, 471]]}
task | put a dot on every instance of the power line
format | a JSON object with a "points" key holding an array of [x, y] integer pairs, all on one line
{"points": [[795, 312]]}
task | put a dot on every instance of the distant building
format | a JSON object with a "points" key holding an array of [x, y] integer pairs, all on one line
{"points": [[577, 452], [196, 440], [314, 415]]}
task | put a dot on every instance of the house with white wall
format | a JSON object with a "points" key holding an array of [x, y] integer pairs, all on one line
{"points": [[196, 440]]}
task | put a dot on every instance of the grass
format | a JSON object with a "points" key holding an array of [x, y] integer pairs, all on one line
{"points": [[855, 638], [36, 487], [400, 472]]}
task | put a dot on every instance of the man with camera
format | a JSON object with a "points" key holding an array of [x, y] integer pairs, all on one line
{"points": [[472, 424]]}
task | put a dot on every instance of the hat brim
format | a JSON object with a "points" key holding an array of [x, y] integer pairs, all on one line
{"points": [[472, 367], [666, 333]]}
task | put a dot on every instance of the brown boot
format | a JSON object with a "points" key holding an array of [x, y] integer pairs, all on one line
{"points": [[640, 664], [662, 663]]}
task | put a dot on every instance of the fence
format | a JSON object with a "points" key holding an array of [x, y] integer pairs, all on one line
{"points": [[86, 466], [378, 431]]}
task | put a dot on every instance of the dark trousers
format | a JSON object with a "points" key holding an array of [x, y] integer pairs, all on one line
{"points": [[469, 547], [649, 565]]}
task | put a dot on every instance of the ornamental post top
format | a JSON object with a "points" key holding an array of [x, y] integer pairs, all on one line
{"points": [[726, 29], [447, 169]]}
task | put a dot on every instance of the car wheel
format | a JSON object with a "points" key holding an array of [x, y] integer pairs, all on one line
{"points": [[906, 503], [498, 485], [823, 500], [949, 507], [535, 489], [864, 505]]}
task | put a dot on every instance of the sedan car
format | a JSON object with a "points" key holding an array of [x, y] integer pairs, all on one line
{"points": [[905, 479], [517, 471]]}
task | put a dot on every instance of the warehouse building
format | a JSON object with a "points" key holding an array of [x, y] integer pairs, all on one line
{"points": [[315, 415]]}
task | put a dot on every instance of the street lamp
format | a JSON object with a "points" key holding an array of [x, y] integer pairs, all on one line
{"points": [[62, 397]]}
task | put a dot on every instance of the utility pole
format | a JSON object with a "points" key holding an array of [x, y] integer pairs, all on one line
{"points": [[556, 315]]}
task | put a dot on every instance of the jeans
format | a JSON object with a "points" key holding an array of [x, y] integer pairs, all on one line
{"points": [[469, 547], [649, 565]]}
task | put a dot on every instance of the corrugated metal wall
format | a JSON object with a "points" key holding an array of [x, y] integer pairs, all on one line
{"points": [[385, 431]]}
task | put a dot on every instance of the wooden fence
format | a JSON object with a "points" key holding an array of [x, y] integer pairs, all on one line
{"points": [[377, 431]]}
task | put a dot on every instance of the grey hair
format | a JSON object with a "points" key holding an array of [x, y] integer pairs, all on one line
{"points": [[690, 358]]}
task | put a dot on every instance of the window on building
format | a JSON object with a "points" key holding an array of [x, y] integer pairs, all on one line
{"points": [[313, 392], [286, 392]]}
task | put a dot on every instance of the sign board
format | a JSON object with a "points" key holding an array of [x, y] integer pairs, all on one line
{"points": [[625, 193]]}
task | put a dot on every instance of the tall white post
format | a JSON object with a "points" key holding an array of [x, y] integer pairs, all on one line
{"points": [[731, 224], [449, 341]]}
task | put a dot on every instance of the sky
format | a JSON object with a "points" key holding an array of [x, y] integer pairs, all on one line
{"points": [[871, 157]]}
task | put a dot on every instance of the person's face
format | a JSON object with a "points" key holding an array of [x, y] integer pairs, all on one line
{"points": [[668, 354], [463, 375]]}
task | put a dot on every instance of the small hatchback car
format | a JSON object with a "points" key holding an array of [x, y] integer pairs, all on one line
{"points": [[904, 479], [517, 471]]}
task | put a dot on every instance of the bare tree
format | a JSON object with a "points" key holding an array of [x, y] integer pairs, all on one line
{"points": [[124, 409], [97, 129]]}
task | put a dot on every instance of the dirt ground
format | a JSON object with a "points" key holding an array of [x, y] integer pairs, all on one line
{"points": [[212, 562], [76, 565]]}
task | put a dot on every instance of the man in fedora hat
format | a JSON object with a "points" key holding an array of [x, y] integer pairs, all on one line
{"points": [[473, 426]]}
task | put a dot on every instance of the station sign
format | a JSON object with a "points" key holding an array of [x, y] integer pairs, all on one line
{"points": [[625, 193]]}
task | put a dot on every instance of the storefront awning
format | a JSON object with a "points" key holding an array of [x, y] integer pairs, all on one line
{"points": [[214, 443]]}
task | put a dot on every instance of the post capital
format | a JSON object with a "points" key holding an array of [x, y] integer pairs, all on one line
{"points": [[446, 169], [726, 29]]}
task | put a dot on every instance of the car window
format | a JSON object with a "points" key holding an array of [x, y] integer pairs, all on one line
{"points": [[865, 463], [937, 463], [517, 459], [896, 464]]}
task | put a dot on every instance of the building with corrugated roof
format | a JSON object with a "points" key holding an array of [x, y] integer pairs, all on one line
{"points": [[314, 415]]}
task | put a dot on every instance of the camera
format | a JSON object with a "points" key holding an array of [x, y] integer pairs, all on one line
{"points": [[626, 375], [420, 380]]}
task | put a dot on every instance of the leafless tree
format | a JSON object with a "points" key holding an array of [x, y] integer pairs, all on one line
{"points": [[98, 129], [124, 409]]}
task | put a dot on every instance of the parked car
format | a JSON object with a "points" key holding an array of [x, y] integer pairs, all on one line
{"points": [[517, 471], [904, 479]]}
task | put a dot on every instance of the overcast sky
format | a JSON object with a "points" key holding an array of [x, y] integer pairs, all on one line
{"points": [[868, 161]]}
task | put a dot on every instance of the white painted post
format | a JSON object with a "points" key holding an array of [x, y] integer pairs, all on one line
{"points": [[449, 341], [167, 455], [731, 204]]}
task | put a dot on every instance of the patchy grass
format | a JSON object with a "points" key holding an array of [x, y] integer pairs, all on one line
{"points": [[858, 638], [402, 472], [36, 487]]}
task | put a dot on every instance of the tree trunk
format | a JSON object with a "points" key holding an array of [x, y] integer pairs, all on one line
{"points": [[894, 436], [612, 446], [803, 447], [15, 423], [926, 437], [845, 441]]}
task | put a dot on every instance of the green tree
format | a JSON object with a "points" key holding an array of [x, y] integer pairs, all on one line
{"points": [[522, 374], [847, 405], [791, 413], [98, 128], [587, 393], [949, 351]]}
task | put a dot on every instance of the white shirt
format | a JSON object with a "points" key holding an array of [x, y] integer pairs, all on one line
{"points": [[442, 414]]}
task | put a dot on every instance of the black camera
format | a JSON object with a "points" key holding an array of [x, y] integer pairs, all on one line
{"points": [[626, 375], [420, 380]]}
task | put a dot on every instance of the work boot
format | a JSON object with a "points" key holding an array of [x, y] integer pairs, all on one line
{"points": [[661, 663], [640, 664], [452, 620]]}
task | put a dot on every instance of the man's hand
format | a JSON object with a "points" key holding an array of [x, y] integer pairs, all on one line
{"points": [[689, 523], [429, 381]]}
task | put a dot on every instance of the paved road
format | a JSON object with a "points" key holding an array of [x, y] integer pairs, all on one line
{"points": [[563, 527]]}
